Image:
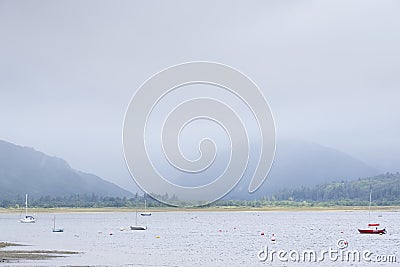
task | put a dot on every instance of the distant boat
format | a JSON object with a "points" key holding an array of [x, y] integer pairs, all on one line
{"points": [[56, 230], [145, 213], [373, 228], [136, 226], [28, 218]]}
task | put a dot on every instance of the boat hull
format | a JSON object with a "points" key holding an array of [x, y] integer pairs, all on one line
{"points": [[372, 231], [138, 227], [23, 221], [27, 219], [145, 214]]}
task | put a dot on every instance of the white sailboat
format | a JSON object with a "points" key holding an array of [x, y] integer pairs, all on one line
{"points": [[28, 218], [136, 226], [145, 213]]}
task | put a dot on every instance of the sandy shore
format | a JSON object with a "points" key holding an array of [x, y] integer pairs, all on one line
{"points": [[208, 209], [6, 244], [18, 255]]}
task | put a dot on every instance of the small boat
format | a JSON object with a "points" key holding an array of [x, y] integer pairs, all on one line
{"points": [[373, 228], [56, 230], [136, 226], [145, 213], [28, 218]]}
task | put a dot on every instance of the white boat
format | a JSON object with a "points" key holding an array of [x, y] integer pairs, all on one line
{"points": [[145, 213], [136, 226], [56, 230], [28, 218]]}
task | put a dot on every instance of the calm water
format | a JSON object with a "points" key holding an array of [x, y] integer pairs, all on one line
{"points": [[199, 238]]}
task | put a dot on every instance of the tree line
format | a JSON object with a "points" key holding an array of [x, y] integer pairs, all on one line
{"points": [[385, 190], [82, 201]]}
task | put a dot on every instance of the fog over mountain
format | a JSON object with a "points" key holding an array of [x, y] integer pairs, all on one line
{"points": [[329, 70], [24, 170], [299, 163]]}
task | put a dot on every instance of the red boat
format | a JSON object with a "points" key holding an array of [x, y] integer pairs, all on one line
{"points": [[373, 229]]}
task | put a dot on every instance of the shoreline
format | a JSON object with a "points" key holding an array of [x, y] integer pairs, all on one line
{"points": [[208, 209], [12, 256]]}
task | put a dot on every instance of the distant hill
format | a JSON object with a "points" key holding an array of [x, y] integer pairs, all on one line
{"points": [[25, 170], [297, 164], [300, 163], [385, 190]]}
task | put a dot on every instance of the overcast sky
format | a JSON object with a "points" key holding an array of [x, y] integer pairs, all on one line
{"points": [[329, 69]]}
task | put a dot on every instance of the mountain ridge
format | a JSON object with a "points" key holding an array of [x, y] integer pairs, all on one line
{"points": [[26, 170], [298, 163], [303, 163]]}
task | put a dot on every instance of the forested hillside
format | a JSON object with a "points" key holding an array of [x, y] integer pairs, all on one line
{"points": [[385, 190]]}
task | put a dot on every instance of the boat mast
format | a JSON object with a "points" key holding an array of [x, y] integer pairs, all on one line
{"points": [[26, 205], [369, 210], [145, 205]]}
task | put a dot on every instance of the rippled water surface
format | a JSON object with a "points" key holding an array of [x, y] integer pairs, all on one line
{"points": [[199, 238]]}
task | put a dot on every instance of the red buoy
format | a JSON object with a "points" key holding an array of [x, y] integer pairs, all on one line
{"points": [[273, 238]]}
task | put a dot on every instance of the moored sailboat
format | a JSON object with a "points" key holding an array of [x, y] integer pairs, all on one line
{"points": [[136, 226], [27, 218], [373, 228], [145, 213], [56, 230]]}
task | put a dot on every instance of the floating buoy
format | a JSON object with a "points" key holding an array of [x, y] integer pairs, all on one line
{"points": [[110, 234], [262, 233], [157, 236], [273, 238]]}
